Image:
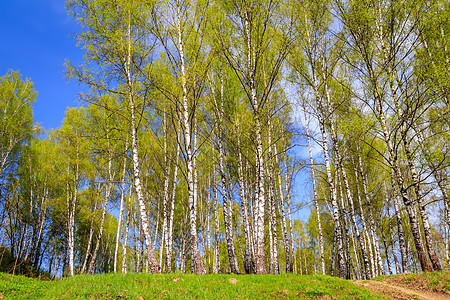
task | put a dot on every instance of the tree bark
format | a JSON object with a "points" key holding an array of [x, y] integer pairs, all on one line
{"points": [[274, 268], [216, 267], [102, 223], [71, 205], [119, 223], [259, 207], [291, 228], [282, 215], [245, 214], [401, 236], [125, 239], [366, 238], [169, 243], [91, 236]]}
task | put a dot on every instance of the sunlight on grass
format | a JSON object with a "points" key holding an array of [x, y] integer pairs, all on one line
{"points": [[182, 286]]}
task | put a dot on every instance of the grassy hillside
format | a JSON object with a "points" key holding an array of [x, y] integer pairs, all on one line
{"points": [[183, 286]]}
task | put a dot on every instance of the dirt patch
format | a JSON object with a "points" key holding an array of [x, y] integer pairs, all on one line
{"points": [[428, 282], [399, 292]]}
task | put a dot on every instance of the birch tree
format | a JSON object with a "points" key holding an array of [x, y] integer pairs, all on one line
{"points": [[114, 38]]}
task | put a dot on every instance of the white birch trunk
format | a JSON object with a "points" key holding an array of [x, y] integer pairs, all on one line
{"points": [[288, 199], [102, 223], [245, 215], [125, 239], [259, 213], [119, 223], [91, 236], [315, 197], [153, 264], [274, 268], [72, 208]]}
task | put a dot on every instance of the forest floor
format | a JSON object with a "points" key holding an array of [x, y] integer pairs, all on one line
{"points": [[187, 286], [428, 286]]}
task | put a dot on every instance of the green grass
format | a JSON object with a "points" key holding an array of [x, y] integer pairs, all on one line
{"points": [[183, 286]]}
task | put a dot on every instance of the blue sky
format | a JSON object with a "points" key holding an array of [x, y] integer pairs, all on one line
{"points": [[37, 36]]}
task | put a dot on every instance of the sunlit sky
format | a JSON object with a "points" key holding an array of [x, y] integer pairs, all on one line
{"points": [[37, 36]]}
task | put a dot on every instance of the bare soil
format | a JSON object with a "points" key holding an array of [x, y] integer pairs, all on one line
{"points": [[395, 288]]}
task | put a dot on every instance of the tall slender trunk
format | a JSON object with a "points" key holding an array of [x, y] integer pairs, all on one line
{"points": [[119, 223], [183, 255], [358, 273], [274, 268], [346, 227], [157, 223], [208, 238], [153, 264], [137, 244], [169, 243], [245, 214], [447, 234], [386, 250], [366, 238], [397, 266], [366, 265], [203, 224], [29, 236], [333, 255], [259, 207], [216, 268], [288, 198], [401, 236], [165, 229], [102, 223], [43, 216], [315, 197], [71, 205], [91, 236], [334, 203], [57, 266], [125, 239], [282, 215]]}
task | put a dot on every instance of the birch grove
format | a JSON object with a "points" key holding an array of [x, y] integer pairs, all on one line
{"points": [[254, 137]]}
